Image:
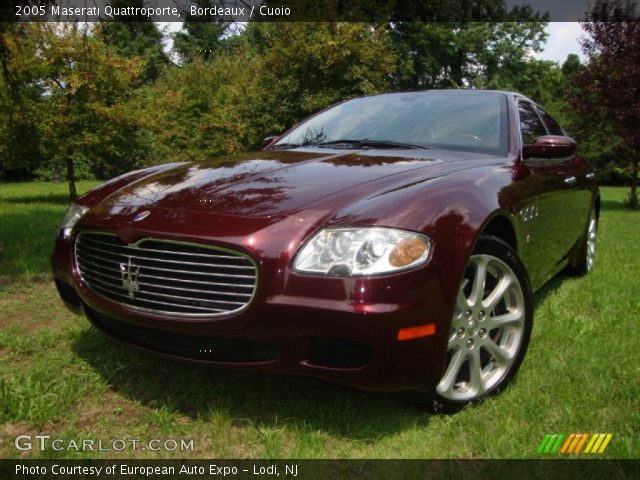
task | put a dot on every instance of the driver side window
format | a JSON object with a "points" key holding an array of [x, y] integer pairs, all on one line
{"points": [[531, 127]]}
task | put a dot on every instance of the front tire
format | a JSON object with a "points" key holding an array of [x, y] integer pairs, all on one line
{"points": [[490, 329]]}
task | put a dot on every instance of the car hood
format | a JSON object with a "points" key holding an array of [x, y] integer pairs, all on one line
{"points": [[270, 183]]}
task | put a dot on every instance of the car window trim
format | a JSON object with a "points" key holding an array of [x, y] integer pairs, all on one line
{"points": [[541, 111], [535, 110], [535, 161]]}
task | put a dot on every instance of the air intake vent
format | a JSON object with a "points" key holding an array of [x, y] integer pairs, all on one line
{"points": [[164, 276], [196, 347]]}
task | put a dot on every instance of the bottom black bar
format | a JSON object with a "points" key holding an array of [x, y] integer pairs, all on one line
{"points": [[319, 469]]}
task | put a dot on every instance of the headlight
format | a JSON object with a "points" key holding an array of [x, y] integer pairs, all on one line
{"points": [[71, 217], [347, 252]]}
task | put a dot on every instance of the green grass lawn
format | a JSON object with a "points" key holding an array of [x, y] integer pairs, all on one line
{"points": [[61, 377]]}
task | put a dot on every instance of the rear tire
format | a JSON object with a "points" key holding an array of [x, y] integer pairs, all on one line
{"points": [[587, 250], [490, 329]]}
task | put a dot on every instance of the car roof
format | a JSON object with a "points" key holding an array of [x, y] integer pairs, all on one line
{"points": [[449, 90]]}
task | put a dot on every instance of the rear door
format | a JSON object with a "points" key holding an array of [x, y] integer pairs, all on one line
{"points": [[547, 211]]}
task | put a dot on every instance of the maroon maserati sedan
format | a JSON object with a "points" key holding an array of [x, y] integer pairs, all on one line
{"points": [[390, 243]]}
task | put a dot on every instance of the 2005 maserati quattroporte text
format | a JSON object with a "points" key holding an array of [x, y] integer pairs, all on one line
{"points": [[390, 243]]}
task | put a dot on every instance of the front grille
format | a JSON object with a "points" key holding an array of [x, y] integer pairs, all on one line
{"points": [[165, 276]]}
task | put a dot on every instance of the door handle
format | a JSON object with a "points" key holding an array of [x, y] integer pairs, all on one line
{"points": [[590, 176], [571, 181]]}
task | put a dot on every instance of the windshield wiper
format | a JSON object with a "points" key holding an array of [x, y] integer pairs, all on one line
{"points": [[284, 146], [366, 143]]}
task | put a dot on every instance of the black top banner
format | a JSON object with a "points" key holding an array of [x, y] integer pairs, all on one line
{"points": [[293, 10]]}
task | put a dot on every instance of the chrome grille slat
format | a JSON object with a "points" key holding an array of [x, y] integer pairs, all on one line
{"points": [[200, 282], [103, 282], [156, 301], [227, 302], [181, 297], [140, 257], [181, 280], [117, 277], [153, 285], [186, 272], [193, 290], [126, 247], [94, 264], [90, 266]]}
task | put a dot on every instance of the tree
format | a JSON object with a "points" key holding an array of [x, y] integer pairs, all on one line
{"points": [[476, 54], [82, 114], [20, 93], [598, 142], [309, 66], [457, 43], [9, 26], [140, 38], [572, 65], [272, 77], [202, 36], [607, 90], [201, 110]]}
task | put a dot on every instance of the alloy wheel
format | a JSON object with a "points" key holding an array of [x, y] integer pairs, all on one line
{"points": [[591, 241], [487, 330]]}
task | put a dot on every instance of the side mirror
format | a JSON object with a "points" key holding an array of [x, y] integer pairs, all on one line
{"points": [[269, 140], [550, 146]]}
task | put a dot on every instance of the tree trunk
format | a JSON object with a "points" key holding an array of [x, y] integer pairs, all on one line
{"points": [[71, 177], [633, 195], [456, 69]]}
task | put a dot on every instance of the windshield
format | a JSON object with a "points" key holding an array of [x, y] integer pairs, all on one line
{"points": [[456, 120]]}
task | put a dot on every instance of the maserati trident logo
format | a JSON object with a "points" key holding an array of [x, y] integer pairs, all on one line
{"points": [[130, 273], [141, 216]]}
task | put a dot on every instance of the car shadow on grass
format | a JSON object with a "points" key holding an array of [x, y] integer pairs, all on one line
{"points": [[615, 205], [246, 399], [548, 288]]}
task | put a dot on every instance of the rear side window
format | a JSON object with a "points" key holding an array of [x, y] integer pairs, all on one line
{"points": [[553, 126], [531, 126]]}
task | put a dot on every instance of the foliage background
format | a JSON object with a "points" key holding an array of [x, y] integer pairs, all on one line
{"points": [[91, 102]]}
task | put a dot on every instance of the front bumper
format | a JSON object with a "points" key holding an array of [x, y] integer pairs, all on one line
{"points": [[344, 330]]}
